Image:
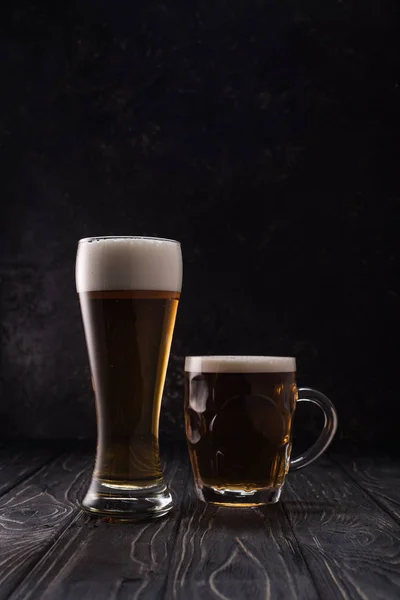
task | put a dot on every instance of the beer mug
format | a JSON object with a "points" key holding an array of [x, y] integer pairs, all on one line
{"points": [[129, 290], [238, 416]]}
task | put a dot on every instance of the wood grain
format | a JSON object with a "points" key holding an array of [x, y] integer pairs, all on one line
{"points": [[351, 546], [18, 462], [35, 513], [97, 560], [335, 535], [379, 477], [228, 554]]}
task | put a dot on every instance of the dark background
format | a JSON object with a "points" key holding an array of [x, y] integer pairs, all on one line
{"points": [[262, 135]]}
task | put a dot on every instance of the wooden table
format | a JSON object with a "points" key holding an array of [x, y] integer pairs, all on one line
{"points": [[336, 534]]}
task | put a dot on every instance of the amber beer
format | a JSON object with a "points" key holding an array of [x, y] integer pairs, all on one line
{"points": [[238, 425], [129, 292], [239, 416]]}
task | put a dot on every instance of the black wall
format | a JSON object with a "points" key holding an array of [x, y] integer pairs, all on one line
{"points": [[262, 135]]}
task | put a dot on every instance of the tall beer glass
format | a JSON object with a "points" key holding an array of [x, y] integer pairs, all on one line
{"points": [[129, 290]]}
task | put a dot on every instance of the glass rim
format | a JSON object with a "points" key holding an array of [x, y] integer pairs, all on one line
{"points": [[238, 356], [126, 237]]}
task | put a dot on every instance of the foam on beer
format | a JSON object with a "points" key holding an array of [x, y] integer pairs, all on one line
{"points": [[128, 263], [240, 364]]}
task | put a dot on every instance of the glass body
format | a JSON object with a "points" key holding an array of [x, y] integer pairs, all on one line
{"points": [[239, 427], [128, 333]]}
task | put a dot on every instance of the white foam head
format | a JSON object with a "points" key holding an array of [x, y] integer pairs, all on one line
{"points": [[240, 364], [128, 263]]}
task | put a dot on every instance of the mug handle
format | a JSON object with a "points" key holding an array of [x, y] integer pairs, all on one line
{"points": [[328, 431]]}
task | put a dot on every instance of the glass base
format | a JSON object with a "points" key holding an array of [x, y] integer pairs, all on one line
{"points": [[122, 502], [239, 498]]}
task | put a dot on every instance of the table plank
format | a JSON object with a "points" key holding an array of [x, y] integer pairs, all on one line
{"points": [[379, 477], [335, 535], [351, 546], [96, 559], [227, 553], [17, 462], [35, 512]]}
